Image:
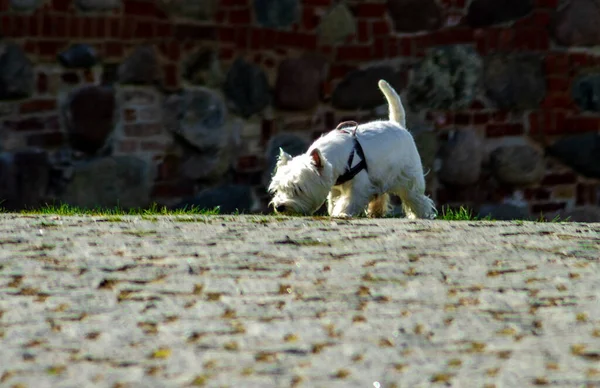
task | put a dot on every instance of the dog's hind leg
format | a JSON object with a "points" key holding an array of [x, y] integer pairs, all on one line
{"points": [[379, 206], [416, 204]]}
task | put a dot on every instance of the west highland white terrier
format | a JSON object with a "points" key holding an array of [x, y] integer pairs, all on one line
{"points": [[355, 169]]}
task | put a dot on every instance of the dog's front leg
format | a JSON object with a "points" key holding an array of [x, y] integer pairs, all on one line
{"points": [[332, 198]]}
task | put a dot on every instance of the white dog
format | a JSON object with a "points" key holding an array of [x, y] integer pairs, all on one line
{"points": [[355, 170]]}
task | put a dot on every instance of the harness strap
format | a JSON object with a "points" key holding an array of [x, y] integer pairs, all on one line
{"points": [[362, 165]]}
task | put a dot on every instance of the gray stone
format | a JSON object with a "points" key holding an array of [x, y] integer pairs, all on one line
{"points": [[89, 117], [483, 13], [25, 5], [415, 15], [580, 152], [504, 212], [196, 9], [228, 198], [98, 5], [586, 213], [203, 68], [78, 56], [461, 159], [292, 144], [141, 67], [515, 81], [108, 182], [586, 92], [16, 72], [336, 25], [448, 78], [198, 116], [24, 178], [247, 87], [276, 13], [298, 82], [576, 23], [517, 165], [359, 90]]}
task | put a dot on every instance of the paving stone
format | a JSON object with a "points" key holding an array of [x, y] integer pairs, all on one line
{"points": [[278, 301]]}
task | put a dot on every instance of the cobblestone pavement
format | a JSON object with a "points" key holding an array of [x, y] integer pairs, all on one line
{"points": [[255, 301]]}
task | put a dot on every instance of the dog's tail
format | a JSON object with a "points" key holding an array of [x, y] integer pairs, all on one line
{"points": [[397, 113]]}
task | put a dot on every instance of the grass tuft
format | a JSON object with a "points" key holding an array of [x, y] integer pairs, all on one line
{"points": [[154, 210], [460, 214]]}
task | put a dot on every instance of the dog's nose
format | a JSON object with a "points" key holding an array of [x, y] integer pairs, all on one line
{"points": [[280, 208]]}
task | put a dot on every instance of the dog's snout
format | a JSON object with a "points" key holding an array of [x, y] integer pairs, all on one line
{"points": [[280, 208]]}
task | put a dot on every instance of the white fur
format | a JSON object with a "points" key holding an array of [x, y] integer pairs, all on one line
{"points": [[303, 183]]}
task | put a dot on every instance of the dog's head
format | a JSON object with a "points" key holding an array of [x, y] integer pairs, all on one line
{"points": [[301, 184]]}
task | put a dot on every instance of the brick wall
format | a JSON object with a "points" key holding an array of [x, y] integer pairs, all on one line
{"points": [[234, 31]]}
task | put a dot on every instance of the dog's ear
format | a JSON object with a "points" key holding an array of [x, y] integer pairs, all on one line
{"points": [[284, 157], [317, 159]]}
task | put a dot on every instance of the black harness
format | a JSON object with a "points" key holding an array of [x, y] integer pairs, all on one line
{"points": [[362, 165]]}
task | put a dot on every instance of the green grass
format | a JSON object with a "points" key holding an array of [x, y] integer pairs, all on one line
{"points": [[116, 212], [460, 214]]}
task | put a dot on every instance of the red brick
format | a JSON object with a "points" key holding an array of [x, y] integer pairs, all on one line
{"points": [[30, 124], [242, 38], [531, 39], [226, 34], [247, 163], [144, 30], [21, 25], [233, 3], [506, 39], [498, 130], [480, 118], [171, 50], [353, 53], [405, 47], [582, 124], [34, 25], [557, 102], [339, 71], [538, 193], [579, 60], [546, 4], [36, 106], [380, 27], [547, 207], [139, 8], [453, 36], [320, 3], [42, 83], [296, 40], [240, 17], [128, 29], [113, 49], [257, 38], [127, 146], [172, 190], [557, 84], [114, 28], [310, 20], [557, 64], [559, 179], [535, 122], [541, 18], [46, 140], [462, 118], [226, 53], [363, 33], [164, 30], [195, 32], [30, 47], [369, 10], [61, 5], [50, 48], [88, 27], [171, 76], [380, 48]]}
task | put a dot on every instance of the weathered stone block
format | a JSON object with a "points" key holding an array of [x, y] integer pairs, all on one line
{"points": [[298, 82], [517, 165], [415, 15], [484, 13], [247, 87], [359, 90], [16, 72]]}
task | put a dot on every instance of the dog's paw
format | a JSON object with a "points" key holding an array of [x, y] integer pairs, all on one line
{"points": [[342, 216]]}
